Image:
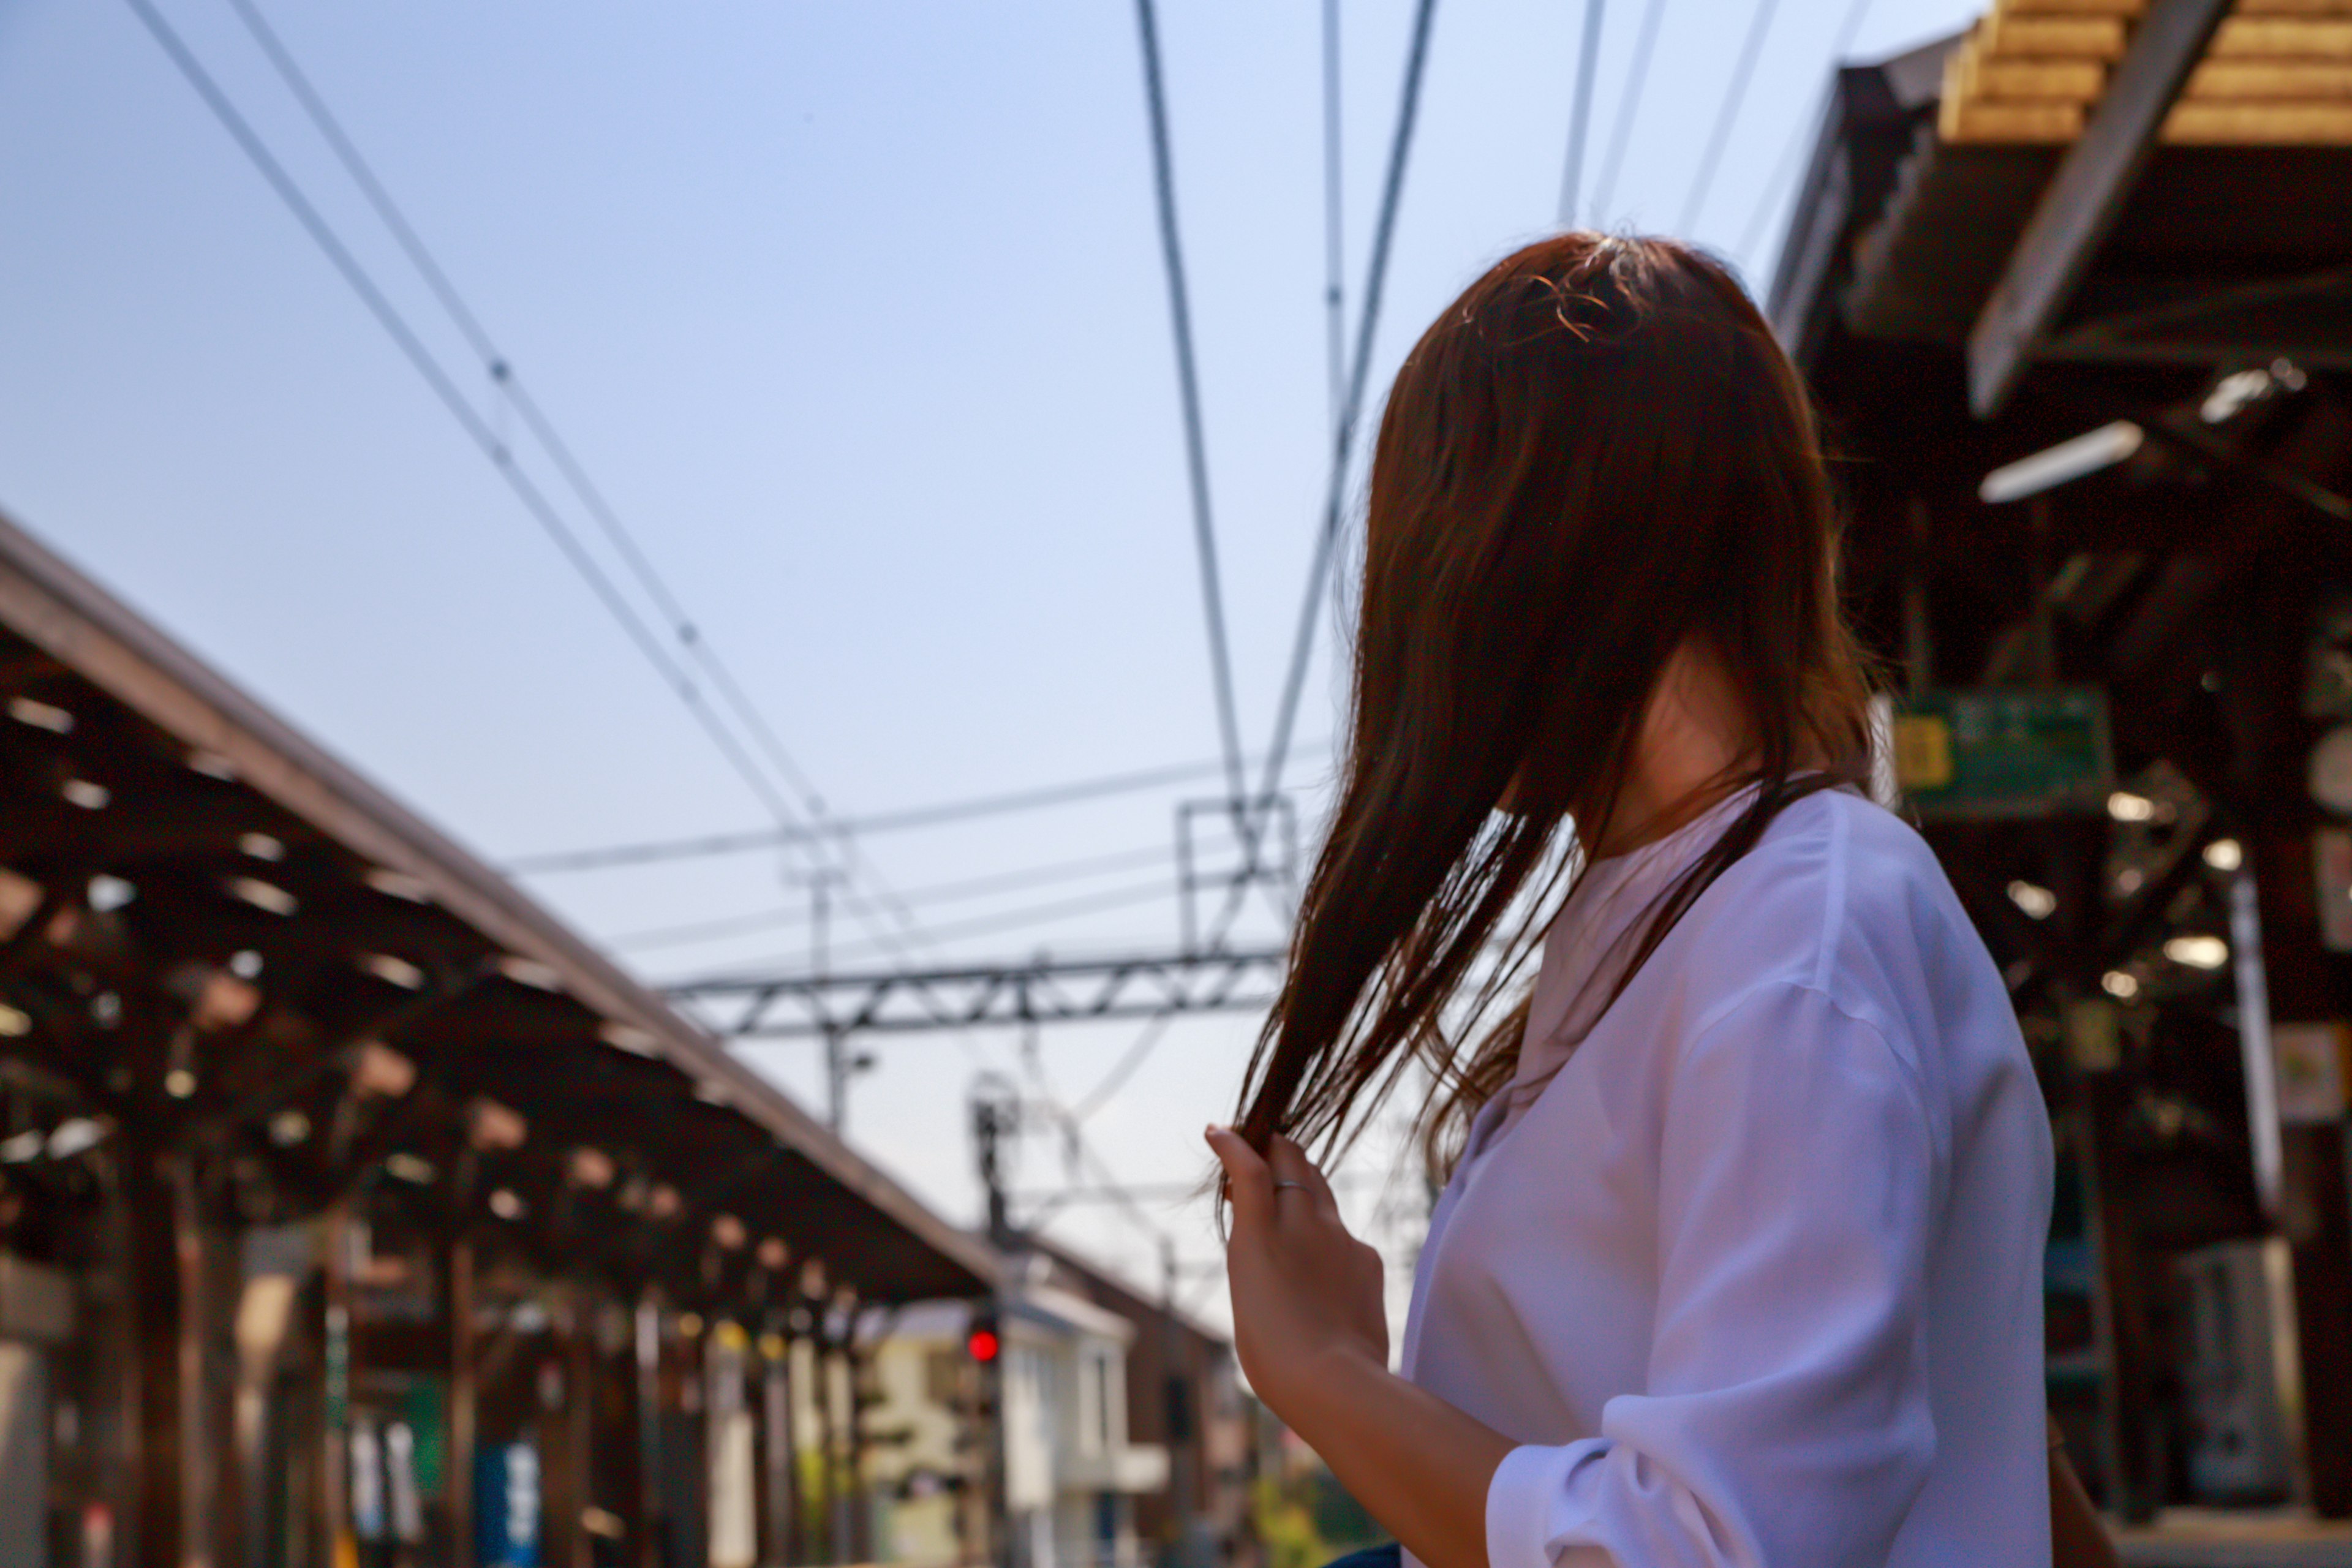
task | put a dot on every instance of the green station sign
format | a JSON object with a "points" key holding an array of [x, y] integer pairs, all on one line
{"points": [[2004, 751]]}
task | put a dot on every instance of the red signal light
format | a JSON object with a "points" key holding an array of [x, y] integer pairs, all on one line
{"points": [[982, 1344]]}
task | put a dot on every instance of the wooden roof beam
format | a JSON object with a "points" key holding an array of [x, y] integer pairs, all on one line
{"points": [[2085, 197]]}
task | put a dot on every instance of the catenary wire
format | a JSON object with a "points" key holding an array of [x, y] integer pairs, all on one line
{"points": [[1254, 821], [688, 633], [1588, 59], [938, 893], [1335, 236], [1334, 497], [510, 383], [1799, 137], [403, 336], [656, 850], [1742, 73], [1188, 386], [1629, 107]]}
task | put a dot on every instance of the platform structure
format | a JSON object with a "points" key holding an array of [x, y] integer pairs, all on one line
{"points": [[351, 1207], [2073, 298]]}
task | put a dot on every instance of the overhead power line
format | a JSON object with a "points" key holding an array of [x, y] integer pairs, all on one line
{"points": [[511, 384], [411, 347], [739, 760], [652, 851], [1799, 137], [1335, 237], [938, 893], [1580, 114], [1742, 73], [1188, 386], [1629, 107], [1335, 495]]}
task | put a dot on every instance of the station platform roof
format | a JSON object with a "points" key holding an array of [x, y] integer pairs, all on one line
{"points": [[218, 933]]}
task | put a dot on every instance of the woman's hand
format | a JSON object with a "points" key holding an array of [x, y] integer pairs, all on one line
{"points": [[1306, 1292], [1314, 1337]]}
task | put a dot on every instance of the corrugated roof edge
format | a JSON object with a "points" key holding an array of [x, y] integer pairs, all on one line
{"points": [[63, 611]]}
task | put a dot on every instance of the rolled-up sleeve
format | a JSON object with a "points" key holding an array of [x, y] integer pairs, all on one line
{"points": [[1786, 1416]]}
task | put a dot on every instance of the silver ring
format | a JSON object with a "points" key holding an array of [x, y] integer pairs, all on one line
{"points": [[1302, 1186]]}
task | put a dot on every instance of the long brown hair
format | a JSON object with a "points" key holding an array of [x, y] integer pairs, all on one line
{"points": [[1594, 455]]}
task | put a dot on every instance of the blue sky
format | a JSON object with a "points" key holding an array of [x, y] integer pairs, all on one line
{"points": [[857, 313]]}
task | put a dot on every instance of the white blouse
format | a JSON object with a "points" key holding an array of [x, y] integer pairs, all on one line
{"points": [[1754, 1273]]}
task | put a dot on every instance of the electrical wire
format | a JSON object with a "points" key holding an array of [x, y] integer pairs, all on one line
{"points": [[411, 347], [1720, 138], [951, 812], [1188, 386], [1335, 237], [1637, 79], [1580, 116], [1799, 137], [501, 373], [1254, 821], [938, 893], [1334, 497]]}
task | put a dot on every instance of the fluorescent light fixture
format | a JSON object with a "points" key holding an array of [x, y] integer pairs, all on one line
{"points": [[417, 1170], [261, 895], [398, 885], [85, 794], [2197, 952], [2068, 460], [40, 715], [531, 972], [630, 1038], [73, 1136], [392, 971], [2039, 903]]}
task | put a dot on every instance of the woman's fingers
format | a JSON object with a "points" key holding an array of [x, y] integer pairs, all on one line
{"points": [[1246, 1177], [1290, 1164]]}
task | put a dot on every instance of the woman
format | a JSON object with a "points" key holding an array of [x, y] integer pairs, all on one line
{"points": [[1739, 1260]]}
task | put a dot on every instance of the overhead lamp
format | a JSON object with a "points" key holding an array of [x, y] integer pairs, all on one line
{"points": [[662, 1202], [590, 1168], [261, 847], [2225, 855], [414, 1169], [773, 1254], [2069, 460], [2037, 901], [26, 1146], [392, 971], [72, 1137], [180, 1083], [378, 1070], [40, 715], [245, 964], [630, 1038], [266, 896], [729, 1232], [2197, 952], [397, 885], [288, 1128], [2125, 806], [489, 1125], [506, 1204], [530, 971], [86, 793], [14, 1021]]}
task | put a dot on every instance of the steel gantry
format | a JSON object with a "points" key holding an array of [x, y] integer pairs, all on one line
{"points": [[1043, 991]]}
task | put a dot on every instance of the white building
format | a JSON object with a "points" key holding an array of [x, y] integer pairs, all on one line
{"points": [[1069, 1472]]}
